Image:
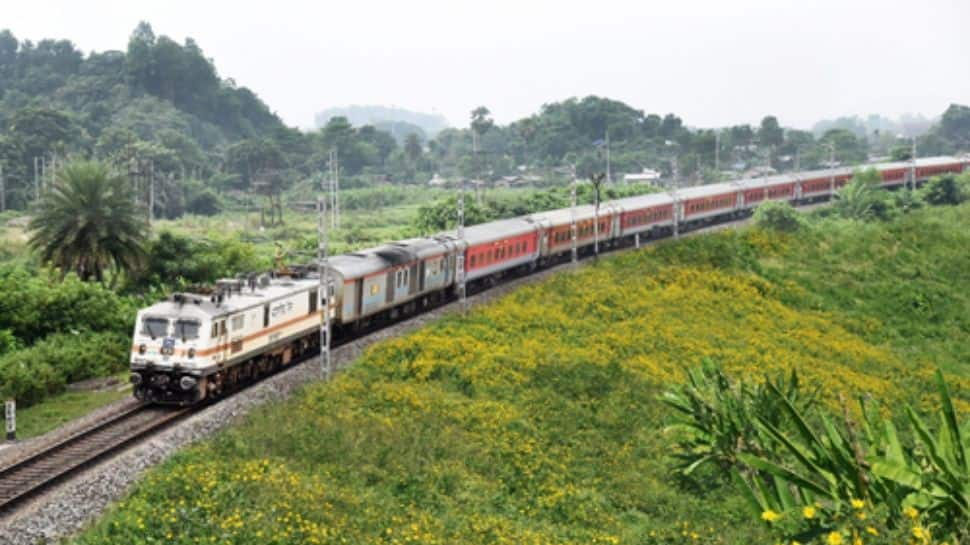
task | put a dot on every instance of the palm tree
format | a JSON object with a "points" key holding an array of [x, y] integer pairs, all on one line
{"points": [[89, 224]]}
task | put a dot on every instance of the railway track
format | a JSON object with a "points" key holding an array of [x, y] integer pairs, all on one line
{"points": [[34, 472], [37, 470]]}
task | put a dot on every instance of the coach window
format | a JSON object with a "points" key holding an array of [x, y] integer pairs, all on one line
{"points": [[238, 322], [375, 288], [215, 330]]}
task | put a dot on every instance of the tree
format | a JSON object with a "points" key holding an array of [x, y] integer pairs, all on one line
{"points": [[861, 199], [412, 148], [481, 122], [770, 134], [778, 216], [87, 224], [955, 125]]}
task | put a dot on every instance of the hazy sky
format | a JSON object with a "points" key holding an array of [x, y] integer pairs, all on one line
{"points": [[714, 62]]}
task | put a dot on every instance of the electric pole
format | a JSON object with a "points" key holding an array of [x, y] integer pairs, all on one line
{"points": [[912, 167], [151, 192], [609, 177], [573, 231], [597, 180], [36, 178], [323, 288], [460, 266], [717, 153], [334, 188], [832, 168], [3, 191]]}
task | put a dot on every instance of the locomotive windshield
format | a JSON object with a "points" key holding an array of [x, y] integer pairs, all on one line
{"points": [[154, 327], [187, 329]]}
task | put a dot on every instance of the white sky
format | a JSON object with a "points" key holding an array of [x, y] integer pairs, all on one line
{"points": [[715, 62]]}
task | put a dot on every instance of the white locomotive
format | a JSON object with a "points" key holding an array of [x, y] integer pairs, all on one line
{"points": [[195, 346]]}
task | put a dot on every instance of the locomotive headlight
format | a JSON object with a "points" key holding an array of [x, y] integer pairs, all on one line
{"points": [[142, 349], [135, 378], [187, 382], [191, 353]]}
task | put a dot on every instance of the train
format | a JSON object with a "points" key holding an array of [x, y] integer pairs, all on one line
{"points": [[202, 344]]}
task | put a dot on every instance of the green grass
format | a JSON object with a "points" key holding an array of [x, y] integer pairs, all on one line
{"points": [[63, 408], [536, 419]]}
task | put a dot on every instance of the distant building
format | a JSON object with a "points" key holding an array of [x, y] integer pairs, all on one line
{"points": [[648, 176], [437, 181], [759, 171]]}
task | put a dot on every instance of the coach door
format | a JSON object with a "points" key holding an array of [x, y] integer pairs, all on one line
{"points": [[222, 339]]}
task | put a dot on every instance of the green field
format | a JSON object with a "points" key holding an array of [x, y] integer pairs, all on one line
{"points": [[536, 419]]}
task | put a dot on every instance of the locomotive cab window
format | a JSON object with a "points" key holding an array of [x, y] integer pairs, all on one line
{"points": [[187, 330], [154, 327]]}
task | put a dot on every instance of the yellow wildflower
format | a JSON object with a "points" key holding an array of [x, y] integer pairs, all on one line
{"points": [[770, 516], [921, 534], [911, 513], [872, 531], [809, 512], [857, 504], [834, 538]]}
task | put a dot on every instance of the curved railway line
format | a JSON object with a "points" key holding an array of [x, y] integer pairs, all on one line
{"points": [[47, 465], [44, 466]]}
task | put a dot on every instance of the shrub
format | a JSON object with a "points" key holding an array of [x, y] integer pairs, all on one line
{"points": [[943, 190], [778, 216], [35, 303], [33, 373]]}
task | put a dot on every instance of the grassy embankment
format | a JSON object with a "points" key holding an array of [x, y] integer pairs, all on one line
{"points": [[536, 419]]}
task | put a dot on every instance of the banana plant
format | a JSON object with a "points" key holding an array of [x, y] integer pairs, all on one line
{"points": [[717, 418], [836, 464]]}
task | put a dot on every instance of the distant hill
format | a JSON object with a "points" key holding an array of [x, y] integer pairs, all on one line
{"points": [[430, 124], [162, 100], [907, 125]]}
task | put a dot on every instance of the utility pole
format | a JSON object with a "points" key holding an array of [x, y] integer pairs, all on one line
{"points": [[323, 288], [717, 153], [53, 179], [832, 168], [334, 188], [460, 265], [574, 234], [151, 192], [912, 167], [3, 191], [597, 182], [36, 178], [609, 177], [478, 166]]}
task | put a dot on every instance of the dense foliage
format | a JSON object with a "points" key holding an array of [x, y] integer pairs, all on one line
{"points": [[54, 331], [536, 419]]}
